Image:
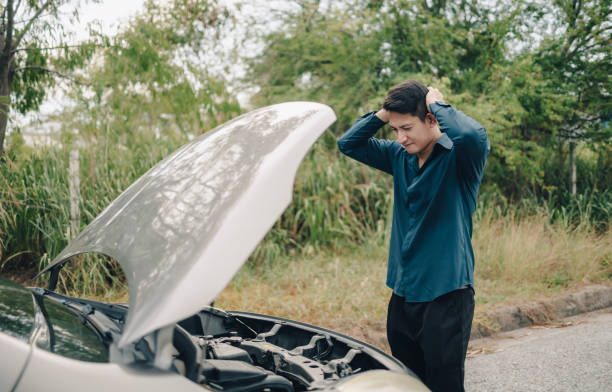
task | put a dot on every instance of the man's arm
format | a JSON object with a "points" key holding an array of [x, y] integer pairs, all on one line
{"points": [[358, 142], [469, 137]]}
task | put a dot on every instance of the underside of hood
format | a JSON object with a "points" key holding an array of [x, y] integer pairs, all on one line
{"points": [[183, 229]]}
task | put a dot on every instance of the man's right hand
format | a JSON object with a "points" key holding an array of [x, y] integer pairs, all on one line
{"points": [[383, 115]]}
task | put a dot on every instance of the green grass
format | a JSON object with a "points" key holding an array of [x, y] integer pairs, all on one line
{"points": [[35, 209], [340, 216]]}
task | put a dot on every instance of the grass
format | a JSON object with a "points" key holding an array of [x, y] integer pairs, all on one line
{"points": [[324, 261], [516, 260], [321, 288], [341, 291], [35, 209]]}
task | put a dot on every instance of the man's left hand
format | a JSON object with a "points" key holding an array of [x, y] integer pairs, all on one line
{"points": [[434, 95]]}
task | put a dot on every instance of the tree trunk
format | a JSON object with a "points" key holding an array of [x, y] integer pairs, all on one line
{"points": [[6, 62], [572, 158], [5, 96]]}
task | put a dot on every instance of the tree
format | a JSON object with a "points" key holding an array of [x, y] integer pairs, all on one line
{"points": [[332, 56], [351, 52], [144, 94], [576, 61], [154, 80], [30, 32], [530, 71]]}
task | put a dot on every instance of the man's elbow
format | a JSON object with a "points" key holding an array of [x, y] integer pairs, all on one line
{"points": [[475, 135], [343, 146], [476, 141]]}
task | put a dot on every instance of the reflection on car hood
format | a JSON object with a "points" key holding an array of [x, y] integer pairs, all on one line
{"points": [[183, 229]]}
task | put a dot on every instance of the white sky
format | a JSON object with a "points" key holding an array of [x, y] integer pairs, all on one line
{"points": [[111, 13]]}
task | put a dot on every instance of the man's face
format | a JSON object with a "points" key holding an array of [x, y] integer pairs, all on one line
{"points": [[414, 135]]}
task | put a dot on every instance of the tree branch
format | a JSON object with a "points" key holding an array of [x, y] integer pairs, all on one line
{"points": [[23, 32], [577, 11], [23, 21], [601, 30], [62, 47], [17, 6], [54, 72]]}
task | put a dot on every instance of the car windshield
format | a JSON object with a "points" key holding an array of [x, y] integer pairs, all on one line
{"points": [[73, 336]]}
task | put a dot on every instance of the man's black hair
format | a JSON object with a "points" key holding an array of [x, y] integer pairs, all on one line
{"points": [[407, 98]]}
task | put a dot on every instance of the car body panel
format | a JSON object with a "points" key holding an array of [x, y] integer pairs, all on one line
{"points": [[183, 229], [53, 373], [11, 365]]}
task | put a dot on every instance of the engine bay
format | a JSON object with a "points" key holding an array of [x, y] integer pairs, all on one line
{"points": [[241, 351]]}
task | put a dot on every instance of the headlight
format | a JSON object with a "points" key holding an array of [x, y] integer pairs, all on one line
{"points": [[381, 381]]}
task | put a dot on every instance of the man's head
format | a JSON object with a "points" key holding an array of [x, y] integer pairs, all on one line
{"points": [[407, 98], [415, 128]]}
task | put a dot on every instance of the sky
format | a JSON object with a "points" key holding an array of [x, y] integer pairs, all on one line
{"points": [[111, 13]]}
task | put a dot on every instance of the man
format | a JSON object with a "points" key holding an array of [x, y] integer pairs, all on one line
{"points": [[437, 162]]}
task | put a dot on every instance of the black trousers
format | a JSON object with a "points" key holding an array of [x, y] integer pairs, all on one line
{"points": [[431, 338]]}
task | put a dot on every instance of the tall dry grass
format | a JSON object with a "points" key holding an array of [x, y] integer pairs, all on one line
{"points": [[517, 259], [522, 257]]}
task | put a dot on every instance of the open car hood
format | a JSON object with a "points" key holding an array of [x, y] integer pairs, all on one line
{"points": [[184, 228]]}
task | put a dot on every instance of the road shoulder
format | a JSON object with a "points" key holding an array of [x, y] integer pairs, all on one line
{"points": [[542, 311]]}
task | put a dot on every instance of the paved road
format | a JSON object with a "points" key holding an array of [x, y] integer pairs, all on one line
{"points": [[575, 355]]}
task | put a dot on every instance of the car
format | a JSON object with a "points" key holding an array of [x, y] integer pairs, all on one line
{"points": [[180, 233]]}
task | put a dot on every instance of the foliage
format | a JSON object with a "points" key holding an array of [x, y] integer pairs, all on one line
{"points": [[35, 208], [576, 62], [337, 205], [156, 85], [528, 86], [152, 82], [327, 57], [137, 95], [34, 51]]}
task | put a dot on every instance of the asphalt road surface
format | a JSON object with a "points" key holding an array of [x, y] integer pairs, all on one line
{"points": [[573, 355]]}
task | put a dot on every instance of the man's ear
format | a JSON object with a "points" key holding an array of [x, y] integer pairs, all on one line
{"points": [[432, 119]]}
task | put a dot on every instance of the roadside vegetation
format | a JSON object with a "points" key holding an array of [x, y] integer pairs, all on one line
{"points": [[339, 221], [517, 260], [538, 229]]}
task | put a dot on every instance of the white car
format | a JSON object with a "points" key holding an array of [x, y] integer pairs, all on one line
{"points": [[180, 233]]}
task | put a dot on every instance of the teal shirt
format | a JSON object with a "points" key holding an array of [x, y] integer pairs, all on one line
{"points": [[430, 252]]}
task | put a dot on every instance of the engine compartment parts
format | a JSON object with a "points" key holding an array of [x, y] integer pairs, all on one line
{"points": [[232, 375], [234, 344]]}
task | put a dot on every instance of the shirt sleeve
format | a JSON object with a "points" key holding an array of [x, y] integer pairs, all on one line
{"points": [[358, 143], [469, 139]]}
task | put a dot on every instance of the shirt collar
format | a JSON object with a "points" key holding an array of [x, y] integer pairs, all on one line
{"points": [[445, 141]]}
